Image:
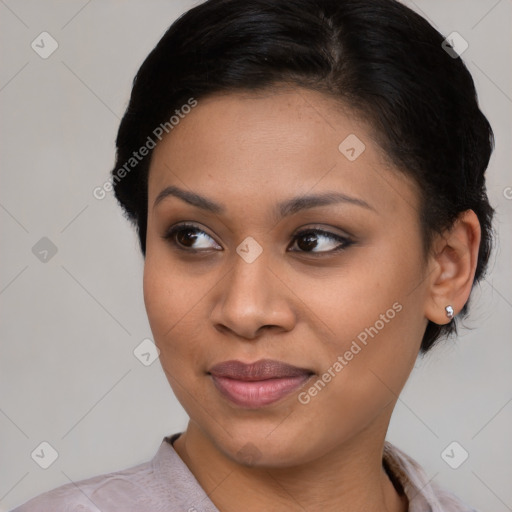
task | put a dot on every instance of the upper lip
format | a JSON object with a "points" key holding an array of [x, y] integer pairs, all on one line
{"points": [[263, 369]]}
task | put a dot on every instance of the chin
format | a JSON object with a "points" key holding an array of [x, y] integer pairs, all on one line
{"points": [[256, 448]]}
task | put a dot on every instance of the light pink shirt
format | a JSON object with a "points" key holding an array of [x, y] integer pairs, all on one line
{"points": [[165, 484]]}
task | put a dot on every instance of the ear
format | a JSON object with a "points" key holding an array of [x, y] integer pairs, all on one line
{"points": [[452, 267]]}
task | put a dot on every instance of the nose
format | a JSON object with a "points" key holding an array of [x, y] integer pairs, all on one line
{"points": [[253, 298]]}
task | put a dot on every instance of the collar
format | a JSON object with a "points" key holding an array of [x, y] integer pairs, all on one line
{"points": [[406, 474]]}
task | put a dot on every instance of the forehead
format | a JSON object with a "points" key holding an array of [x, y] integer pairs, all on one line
{"points": [[271, 145]]}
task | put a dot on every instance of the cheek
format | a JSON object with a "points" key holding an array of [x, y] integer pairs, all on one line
{"points": [[169, 294], [165, 303], [369, 289], [158, 298], [375, 318], [174, 302]]}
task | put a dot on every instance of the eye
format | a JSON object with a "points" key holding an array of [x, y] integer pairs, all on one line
{"points": [[320, 241], [188, 237]]}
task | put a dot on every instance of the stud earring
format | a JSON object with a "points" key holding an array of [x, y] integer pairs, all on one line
{"points": [[449, 312]]}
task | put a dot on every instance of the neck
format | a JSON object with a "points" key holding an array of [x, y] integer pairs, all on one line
{"points": [[348, 478]]}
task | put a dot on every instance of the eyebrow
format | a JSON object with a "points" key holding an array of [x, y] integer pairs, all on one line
{"points": [[285, 208]]}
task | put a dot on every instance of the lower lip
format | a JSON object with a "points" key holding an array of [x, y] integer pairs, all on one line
{"points": [[254, 394]]}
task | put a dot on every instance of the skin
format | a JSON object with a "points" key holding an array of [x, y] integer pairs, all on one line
{"points": [[248, 152]]}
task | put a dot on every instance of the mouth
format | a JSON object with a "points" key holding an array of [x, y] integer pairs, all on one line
{"points": [[257, 384]]}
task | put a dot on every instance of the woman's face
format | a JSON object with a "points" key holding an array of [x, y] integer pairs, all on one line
{"points": [[251, 280]]}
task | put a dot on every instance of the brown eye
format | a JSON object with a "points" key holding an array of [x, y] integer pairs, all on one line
{"points": [[190, 237], [324, 241], [187, 236]]}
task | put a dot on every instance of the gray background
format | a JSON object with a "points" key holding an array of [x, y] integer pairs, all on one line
{"points": [[69, 325]]}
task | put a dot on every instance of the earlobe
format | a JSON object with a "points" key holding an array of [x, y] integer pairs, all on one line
{"points": [[454, 260]]}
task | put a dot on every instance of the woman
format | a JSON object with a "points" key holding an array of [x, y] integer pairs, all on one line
{"points": [[307, 182]]}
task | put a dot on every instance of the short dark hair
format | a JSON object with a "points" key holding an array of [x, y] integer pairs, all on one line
{"points": [[378, 57]]}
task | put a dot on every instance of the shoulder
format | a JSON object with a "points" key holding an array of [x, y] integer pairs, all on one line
{"points": [[423, 494], [449, 502], [163, 483], [121, 490]]}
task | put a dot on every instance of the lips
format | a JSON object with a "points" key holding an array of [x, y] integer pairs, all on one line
{"points": [[257, 384]]}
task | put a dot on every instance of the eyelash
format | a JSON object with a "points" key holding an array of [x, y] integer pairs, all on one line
{"points": [[345, 242]]}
